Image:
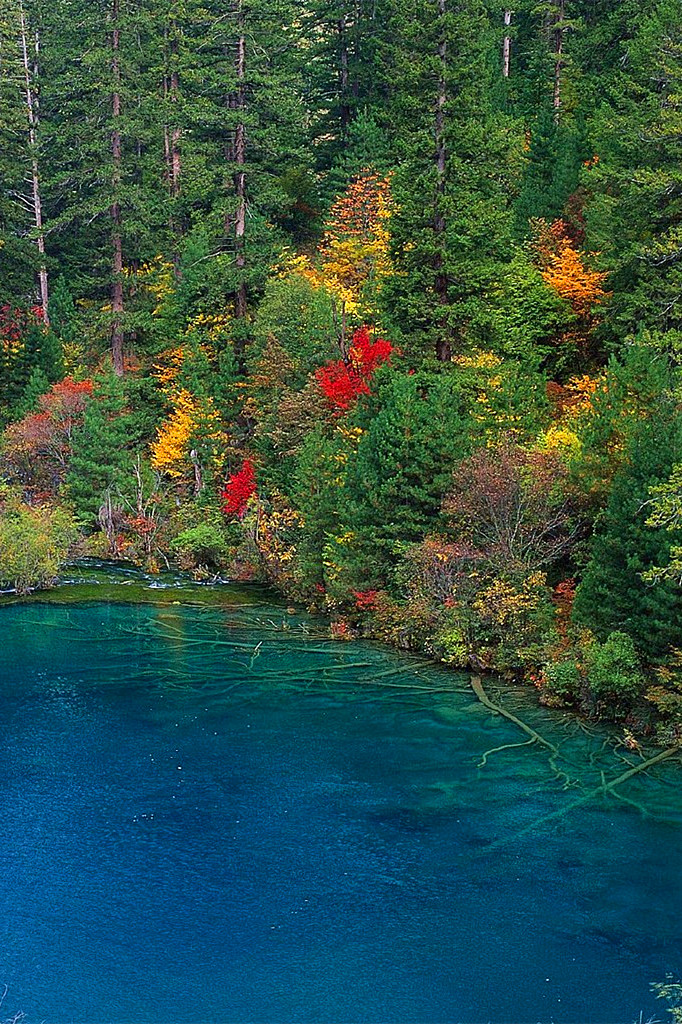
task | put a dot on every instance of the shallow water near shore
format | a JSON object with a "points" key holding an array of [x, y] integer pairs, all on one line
{"points": [[213, 814]]}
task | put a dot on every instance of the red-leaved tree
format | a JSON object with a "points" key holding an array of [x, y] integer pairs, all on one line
{"points": [[37, 449], [240, 487], [15, 323], [344, 380]]}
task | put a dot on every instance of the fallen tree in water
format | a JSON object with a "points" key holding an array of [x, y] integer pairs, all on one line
{"points": [[535, 737]]}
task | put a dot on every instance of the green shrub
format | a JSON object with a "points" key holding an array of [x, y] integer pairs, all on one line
{"points": [[203, 544], [34, 542], [451, 645], [561, 682], [614, 674]]}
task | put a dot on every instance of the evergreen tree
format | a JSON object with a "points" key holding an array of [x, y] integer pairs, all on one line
{"points": [[20, 190], [634, 218], [349, 48], [98, 109], [36, 386], [415, 429], [62, 312], [102, 448], [451, 232], [613, 595], [243, 109], [317, 494]]}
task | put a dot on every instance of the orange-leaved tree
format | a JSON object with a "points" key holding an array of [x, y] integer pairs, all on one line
{"points": [[190, 440], [37, 448], [565, 269]]}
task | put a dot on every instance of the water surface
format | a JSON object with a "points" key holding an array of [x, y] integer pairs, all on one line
{"points": [[209, 817]]}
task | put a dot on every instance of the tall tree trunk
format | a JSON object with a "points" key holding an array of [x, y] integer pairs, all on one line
{"points": [[116, 219], [506, 45], [345, 113], [443, 349], [172, 134], [558, 55], [176, 133], [32, 111], [166, 127], [240, 161], [174, 96], [357, 52]]}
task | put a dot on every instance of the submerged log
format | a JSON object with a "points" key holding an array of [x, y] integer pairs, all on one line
{"points": [[477, 687]]}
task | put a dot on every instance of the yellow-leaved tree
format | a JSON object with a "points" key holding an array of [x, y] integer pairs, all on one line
{"points": [[354, 255]]}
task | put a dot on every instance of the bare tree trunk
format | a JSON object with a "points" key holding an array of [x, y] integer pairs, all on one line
{"points": [[166, 130], [357, 51], [344, 105], [116, 239], [443, 349], [198, 475], [32, 110], [558, 56], [174, 96], [240, 172], [506, 45], [176, 135]]}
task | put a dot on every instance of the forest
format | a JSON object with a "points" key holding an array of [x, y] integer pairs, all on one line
{"points": [[378, 302]]}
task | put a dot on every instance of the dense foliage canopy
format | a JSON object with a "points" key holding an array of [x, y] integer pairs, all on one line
{"points": [[376, 301]]}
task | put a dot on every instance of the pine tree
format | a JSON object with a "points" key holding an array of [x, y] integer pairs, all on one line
{"points": [[349, 70], [97, 108], [22, 238], [452, 230], [414, 431], [242, 106], [635, 216], [316, 492], [102, 448], [613, 595]]}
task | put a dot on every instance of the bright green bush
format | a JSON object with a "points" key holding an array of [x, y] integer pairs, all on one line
{"points": [[451, 646], [34, 542], [203, 544], [561, 682]]}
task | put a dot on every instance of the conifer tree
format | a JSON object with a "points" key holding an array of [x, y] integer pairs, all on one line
{"points": [[613, 594], [22, 236], [414, 433], [452, 229], [242, 106], [348, 46], [100, 111], [634, 217], [102, 448]]}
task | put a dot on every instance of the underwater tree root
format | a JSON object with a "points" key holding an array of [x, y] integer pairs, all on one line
{"points": [[505, 746]]}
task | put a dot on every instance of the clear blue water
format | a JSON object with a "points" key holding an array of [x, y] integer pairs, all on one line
{"points": [[194, 833]]}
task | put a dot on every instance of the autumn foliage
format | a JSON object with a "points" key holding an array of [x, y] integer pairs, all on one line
{"points": [[354, 257], [564, 269], [169, 451], [511, 505], [193, 424], [15, 323], [344, 380], [239, 489], [42, 440]]}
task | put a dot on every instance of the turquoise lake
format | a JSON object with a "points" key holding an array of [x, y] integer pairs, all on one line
{"points": [[211, 814]]}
